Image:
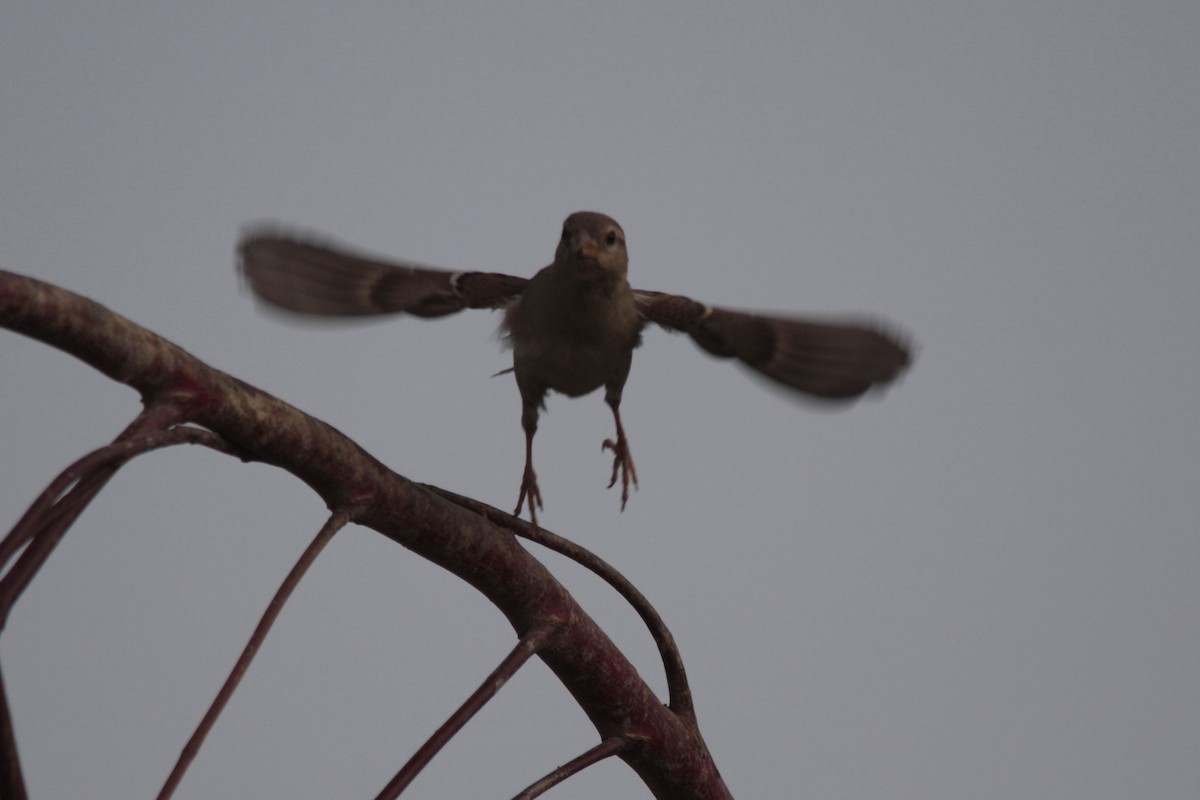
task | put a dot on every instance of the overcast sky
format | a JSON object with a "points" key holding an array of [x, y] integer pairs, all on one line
{"points": [[984, 584]]}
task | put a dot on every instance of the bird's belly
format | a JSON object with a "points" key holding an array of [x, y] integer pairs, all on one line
{"points": [[573, 369]]}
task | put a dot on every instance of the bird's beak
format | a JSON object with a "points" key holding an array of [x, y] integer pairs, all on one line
{"points": [[584, 246]]}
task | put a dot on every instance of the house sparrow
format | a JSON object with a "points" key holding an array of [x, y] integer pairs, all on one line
{"points": [[574, 325]]}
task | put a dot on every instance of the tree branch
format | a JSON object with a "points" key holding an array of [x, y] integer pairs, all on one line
{"points": [[665, 750]]}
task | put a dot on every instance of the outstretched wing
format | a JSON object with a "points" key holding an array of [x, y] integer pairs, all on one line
{"points": [[310, 278], [834, 359]]}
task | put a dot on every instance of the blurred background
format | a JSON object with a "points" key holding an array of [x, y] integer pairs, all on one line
{"points": [[982, 585]]}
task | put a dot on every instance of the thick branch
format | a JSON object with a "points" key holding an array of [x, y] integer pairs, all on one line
{"points": [[669, 755]]}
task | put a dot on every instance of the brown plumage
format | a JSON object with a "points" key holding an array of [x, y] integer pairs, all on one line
{"points": [[574, 325]]}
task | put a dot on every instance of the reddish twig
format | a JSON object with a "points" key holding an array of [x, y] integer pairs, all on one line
{"points": [[609, 747], [529, 644], [12, 782], [336, 522], [678, 691], [47, 520]]}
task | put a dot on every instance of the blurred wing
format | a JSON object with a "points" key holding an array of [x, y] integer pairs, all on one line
{"points": [[834, 360], [310, 278]]}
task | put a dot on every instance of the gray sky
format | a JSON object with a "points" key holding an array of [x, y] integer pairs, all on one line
{"points": [[983, 585]]}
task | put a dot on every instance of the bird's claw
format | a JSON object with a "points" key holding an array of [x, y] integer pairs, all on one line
{"points": [[623, 465], [530, 492]]}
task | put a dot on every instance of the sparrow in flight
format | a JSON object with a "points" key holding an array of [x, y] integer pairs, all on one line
{"points": [[574, 325]]}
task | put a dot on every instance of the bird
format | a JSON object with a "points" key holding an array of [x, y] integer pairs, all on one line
{"points": [[574, 325]]}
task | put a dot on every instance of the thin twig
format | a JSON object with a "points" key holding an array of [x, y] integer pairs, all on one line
{"points": [[119, 451], [60, 504], [336, 522], [530, 642], [609, 747], [46, 522], [12, 782]]}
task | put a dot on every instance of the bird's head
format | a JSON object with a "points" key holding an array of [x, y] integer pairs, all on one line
{"points": [[590, 238]]}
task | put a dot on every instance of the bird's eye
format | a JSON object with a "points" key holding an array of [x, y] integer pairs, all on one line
{"points": [[565, 234], [610, 238]]}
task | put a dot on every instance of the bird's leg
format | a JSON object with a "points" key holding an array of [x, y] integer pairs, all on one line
{"points": [[529, 487], [622, 461]]}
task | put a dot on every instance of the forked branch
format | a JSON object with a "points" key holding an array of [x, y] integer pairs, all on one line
{"points": [[661, 745]]}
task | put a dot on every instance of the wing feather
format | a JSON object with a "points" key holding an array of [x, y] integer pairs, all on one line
{"points": [[832, 359], [310, 278]]}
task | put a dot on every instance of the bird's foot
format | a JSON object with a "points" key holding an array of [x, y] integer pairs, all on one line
{"points": [[622, 465], [530, 492]]}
